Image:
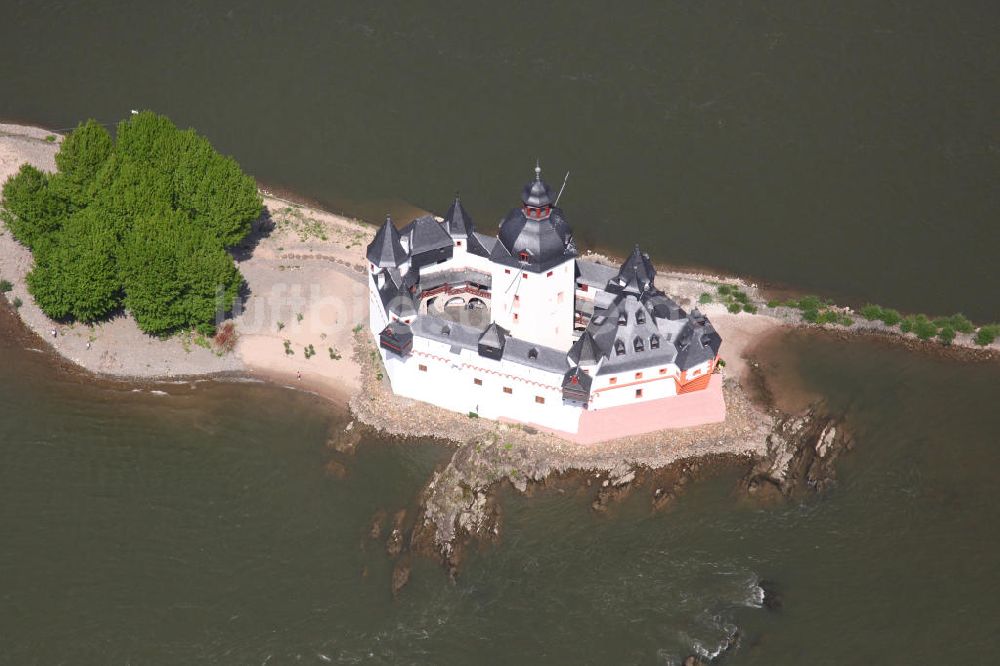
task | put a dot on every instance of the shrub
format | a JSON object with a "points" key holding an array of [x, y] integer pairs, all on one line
{"points": [[334, 354], [987, 334], [890, 317], [473, 415], [906, 326], [725, 289], [734, 307], [846, 321], [740, 296], [923, 327], [356, 329], [809, 303], [226, 337], [871, 312], [773, 303], [50, 138], [17, 303], [828, 317], [946, 335], [705, 298], [957, 322], [810, 314], [750, 307], [5, 286], [288, 348]]}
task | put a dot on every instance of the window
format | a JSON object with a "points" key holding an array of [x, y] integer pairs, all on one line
{"points": [[524, 276], [422, 367], [517, 298], [458, 243], [638, 344], [507, 271], [524, 257], [477, 381], [540, 400], [516, 316], [638, 393], [663, 371], [613, 381], [549, 274], [654, 342], [508, 390], [583, 287], [619, 347], [622, 319], [532, 353], [640, 317], [638, 375]]}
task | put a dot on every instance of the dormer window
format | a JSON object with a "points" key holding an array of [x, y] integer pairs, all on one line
{"points": [[638, 344], [654, 342], [640, 317], [532, 353], [619, 347], [446, 330], [523, 255], [622, 319]]}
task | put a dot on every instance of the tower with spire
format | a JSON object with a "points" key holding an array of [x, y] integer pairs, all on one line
{"points": [[533, 275]]}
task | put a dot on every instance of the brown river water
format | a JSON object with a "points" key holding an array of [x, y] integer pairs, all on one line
{"points": [[848, 150]]}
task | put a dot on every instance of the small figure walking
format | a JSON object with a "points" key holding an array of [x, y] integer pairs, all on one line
{"points": [[54, 333], [88, 346], [298, 373]]}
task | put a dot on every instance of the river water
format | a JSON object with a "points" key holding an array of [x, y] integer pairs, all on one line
{"points": [[849, 150]]}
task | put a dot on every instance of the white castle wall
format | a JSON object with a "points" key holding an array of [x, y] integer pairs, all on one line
{"points": [[431, 373]]}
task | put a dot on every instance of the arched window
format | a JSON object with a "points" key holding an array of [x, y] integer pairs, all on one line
{"points": [[654, 342], [640, 317], [619, 347], [532, 353], [638, 344]]}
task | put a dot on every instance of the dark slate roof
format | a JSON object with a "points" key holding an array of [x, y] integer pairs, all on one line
{"points": [[635, 276], [585, 350], [442, 330], [697, 342], [457, 221], [536, 193], [426, 235], [548, 242], [662, 306], [386, 250], [606, 332], [481, 244], [395, 293], [594, 274], [535, 355], [494, 336]]}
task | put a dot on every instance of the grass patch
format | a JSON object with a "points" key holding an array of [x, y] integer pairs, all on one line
{"points": [[705, 298], [5, 286]]}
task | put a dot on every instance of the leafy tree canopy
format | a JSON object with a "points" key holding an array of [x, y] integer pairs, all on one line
{"points": [[143, 220]]}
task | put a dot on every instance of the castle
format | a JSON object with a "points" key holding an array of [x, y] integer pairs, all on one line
{"points": [[518, 327]]}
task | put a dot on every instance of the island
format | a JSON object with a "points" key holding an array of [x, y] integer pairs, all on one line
{"points": [[616, 369]]}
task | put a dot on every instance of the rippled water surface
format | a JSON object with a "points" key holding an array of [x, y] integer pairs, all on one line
{"points": [[203, 527], [847, 147]]}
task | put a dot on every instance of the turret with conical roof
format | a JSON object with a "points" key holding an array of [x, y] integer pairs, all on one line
{"points": [[457, 221], [386, 250], [635, 276]]}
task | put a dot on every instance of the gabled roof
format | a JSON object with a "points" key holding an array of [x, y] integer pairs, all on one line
{"points": [[386, 250], [635, 276], [585, 350], [457, 221], [426, 235]]}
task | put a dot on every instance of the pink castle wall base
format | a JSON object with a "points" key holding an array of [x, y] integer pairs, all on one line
{"points": [[681, 411]]}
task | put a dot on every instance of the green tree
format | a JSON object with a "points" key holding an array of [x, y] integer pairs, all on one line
{"points": [[987, 334], [31, 210], [946, 335], [176, 276], [81, 157], [76, 275]]}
